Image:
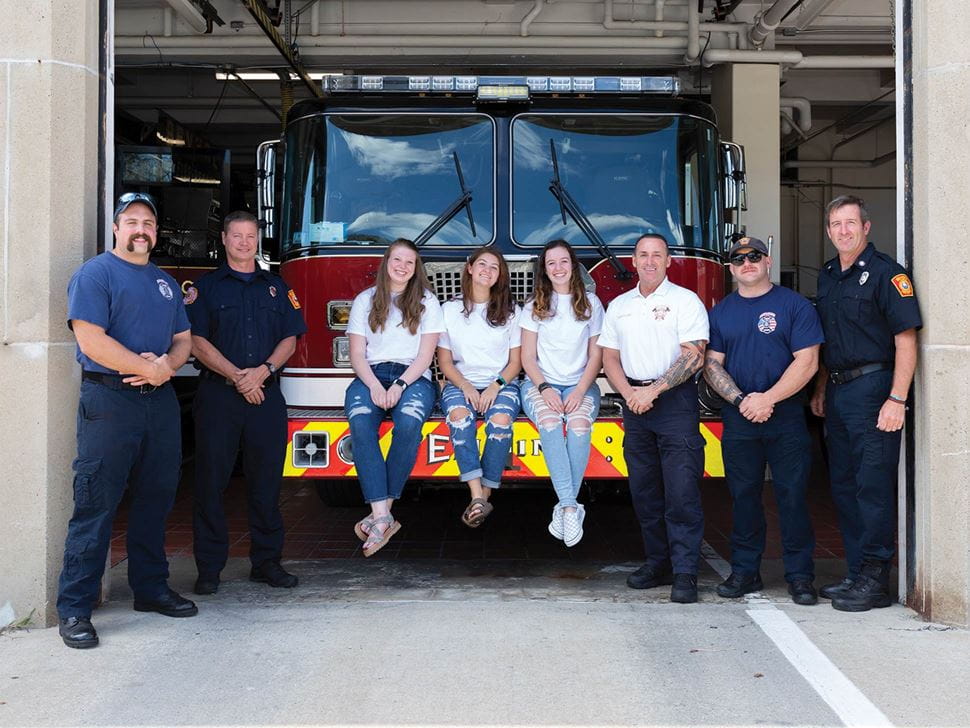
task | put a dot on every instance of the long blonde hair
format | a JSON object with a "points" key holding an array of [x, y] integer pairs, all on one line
{"points": [[542, 294], [409, 300]]}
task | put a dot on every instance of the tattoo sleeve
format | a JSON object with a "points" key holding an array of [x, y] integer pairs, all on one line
{"points": [[689, 362], [722, 383]]}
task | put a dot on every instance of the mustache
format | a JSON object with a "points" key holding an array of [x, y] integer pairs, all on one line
{"points": [[138, 238]]}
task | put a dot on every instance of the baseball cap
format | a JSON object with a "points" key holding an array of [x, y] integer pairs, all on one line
{"points": [[130, 198], [752, 243]]}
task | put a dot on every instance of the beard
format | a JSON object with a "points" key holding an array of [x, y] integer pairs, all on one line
{"points": [[140, 238]]}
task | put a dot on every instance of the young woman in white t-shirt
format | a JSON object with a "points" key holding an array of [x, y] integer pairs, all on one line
{"points": [[479, 356], [393, 331], [560, 326]]}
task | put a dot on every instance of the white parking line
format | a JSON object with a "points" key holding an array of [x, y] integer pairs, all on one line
{"points": [[831, 684], [841, 694]]}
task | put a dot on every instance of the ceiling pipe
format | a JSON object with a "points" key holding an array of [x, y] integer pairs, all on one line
{"points": [[847, 62], [692, 26], [804, 108], [809, 10], [693, 35], [190, 14], [658, 15], [796, 59], [315, 19], [788, 124], [764, 26], [839, 163], [530, 16]]}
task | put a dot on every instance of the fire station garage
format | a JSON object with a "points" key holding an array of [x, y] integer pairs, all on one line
{"points": [[322, 116]]}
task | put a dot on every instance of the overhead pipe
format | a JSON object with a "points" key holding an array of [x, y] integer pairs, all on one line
{"points": [[804, 108], [692, 26], [839, 163], [764, 26], [167, 22], [796, 59], [809, 10], [190, 14], [315, 19], [530, 16], [693, 34], [658, 16]]}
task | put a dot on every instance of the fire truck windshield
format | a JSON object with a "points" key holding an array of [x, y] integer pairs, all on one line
{"points": [[366, 179], [629, 173]]}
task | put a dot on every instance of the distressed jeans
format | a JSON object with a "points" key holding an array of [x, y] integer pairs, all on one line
{"points": [[381, 479], [565, 438], [498, 437]]}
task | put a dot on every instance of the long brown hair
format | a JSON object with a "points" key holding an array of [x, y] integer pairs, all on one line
{"points": [[409, 300], [500, 304], [542, 294]]}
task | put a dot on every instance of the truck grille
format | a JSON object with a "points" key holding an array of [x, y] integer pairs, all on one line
{"points": [[446, 279]]}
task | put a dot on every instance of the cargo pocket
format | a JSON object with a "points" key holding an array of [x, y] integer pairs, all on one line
{"points": [[88, 494]]}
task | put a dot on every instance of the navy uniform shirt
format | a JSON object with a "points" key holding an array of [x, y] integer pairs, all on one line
{"points": [[138, 306], [758, 336], [863, 308], [244, 319]]}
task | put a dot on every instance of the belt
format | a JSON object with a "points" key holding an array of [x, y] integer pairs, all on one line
{"points": [[847, 375], [117, 381], [640, 382]]}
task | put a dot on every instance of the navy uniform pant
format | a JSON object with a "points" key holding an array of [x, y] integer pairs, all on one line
{"points": [[224, 421], [124, 439], [664, 453], [783, 443], [863, 464]]}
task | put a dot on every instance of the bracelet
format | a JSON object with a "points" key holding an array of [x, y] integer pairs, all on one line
{"points": [[897, 400], [500, 381], [401, 383], [543, 387]]}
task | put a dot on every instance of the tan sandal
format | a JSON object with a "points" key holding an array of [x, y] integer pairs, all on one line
{"points": [[480, 508], [376, 540], [363, 527]]}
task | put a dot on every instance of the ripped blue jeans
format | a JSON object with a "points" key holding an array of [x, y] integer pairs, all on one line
{"points": [[565, 438], [379, 478], [498, 433]]}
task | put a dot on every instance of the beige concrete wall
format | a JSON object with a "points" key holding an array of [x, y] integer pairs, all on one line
{"points": [[941, 174], [745, 96], [48, 218]]}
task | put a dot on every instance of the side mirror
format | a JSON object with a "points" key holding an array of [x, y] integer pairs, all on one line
{"points": [[266, 188]]}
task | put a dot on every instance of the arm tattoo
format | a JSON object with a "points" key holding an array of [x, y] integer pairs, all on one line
{"points": [[689, 362], [722, 383]]}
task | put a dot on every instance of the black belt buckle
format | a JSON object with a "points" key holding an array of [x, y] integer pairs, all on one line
{"points": [[143, 388], [836, 377], [640, 382]]}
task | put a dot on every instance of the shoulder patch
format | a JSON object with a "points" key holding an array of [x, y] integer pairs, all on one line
{"points": [[291, 294], [903, 285], [191, 293]]}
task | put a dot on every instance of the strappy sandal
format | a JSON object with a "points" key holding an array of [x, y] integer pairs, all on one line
{"points": [[476, 512], [363, 527], [377, 540]]}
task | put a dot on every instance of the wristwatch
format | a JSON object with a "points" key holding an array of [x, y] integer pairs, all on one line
{"points": [[271, 366], [739, 399], [401, 383]]}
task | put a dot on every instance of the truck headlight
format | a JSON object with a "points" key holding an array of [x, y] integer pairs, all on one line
{"points": [[338, 314], [341, 351]]}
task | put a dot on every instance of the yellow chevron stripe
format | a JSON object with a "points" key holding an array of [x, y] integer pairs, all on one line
{"points": [[713, 461], [607, 439]]}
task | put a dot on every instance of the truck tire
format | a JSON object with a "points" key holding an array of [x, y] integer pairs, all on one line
{"points": [[339, 493]]}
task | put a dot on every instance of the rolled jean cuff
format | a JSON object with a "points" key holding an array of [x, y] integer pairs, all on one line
{"points": [[470, 475], [493, 484], [568, 503]]}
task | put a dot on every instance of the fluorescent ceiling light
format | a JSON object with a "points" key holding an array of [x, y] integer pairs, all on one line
{"points": [[267, 76]]}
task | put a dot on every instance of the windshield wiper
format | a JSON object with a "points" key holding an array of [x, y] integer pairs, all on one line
{"points": [[464, 200], [568, 204]]}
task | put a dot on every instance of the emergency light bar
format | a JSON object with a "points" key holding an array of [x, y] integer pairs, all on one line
{"points": [[535, 84]]}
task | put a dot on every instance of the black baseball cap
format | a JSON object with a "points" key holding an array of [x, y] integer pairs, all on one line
{"points": [[752, 243], [130, 198]]}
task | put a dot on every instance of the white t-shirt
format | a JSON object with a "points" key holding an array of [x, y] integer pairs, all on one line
{"points": [[480, 350], [648, 331], [562, 348], [395, 343]]}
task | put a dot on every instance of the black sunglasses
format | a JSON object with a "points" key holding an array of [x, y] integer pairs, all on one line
{"points": [[752, 255]]}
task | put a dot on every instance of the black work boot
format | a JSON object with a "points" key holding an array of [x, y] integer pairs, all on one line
{"points": [[869, 590], [830, 591], [737, 585]]}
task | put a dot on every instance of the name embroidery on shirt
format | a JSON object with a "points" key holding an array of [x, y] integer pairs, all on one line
{"points": [[767, 322]]}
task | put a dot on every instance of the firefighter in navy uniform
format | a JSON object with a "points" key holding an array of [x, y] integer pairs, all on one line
{"points": [[132, 334], [245, 322], [870, 316]]}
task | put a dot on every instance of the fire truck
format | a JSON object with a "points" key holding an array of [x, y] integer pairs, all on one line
{"points": [[456, 162]]}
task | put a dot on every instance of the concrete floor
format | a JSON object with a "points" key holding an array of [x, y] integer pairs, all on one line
{"points": [[460, 642]]}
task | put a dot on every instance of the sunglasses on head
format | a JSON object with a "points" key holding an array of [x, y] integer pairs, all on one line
{"points": [[130, 197], [752, 255]]}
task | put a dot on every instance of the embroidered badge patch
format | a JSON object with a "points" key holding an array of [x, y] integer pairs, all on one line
{"points": [[164, 288], [291, 294], [190, 295], [903, 285], [660, 312], [767, 322], [863, 278], [272, 291]]}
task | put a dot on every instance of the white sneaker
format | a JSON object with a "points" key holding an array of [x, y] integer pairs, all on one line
{"points": [[555, 525], [572, 525]]}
